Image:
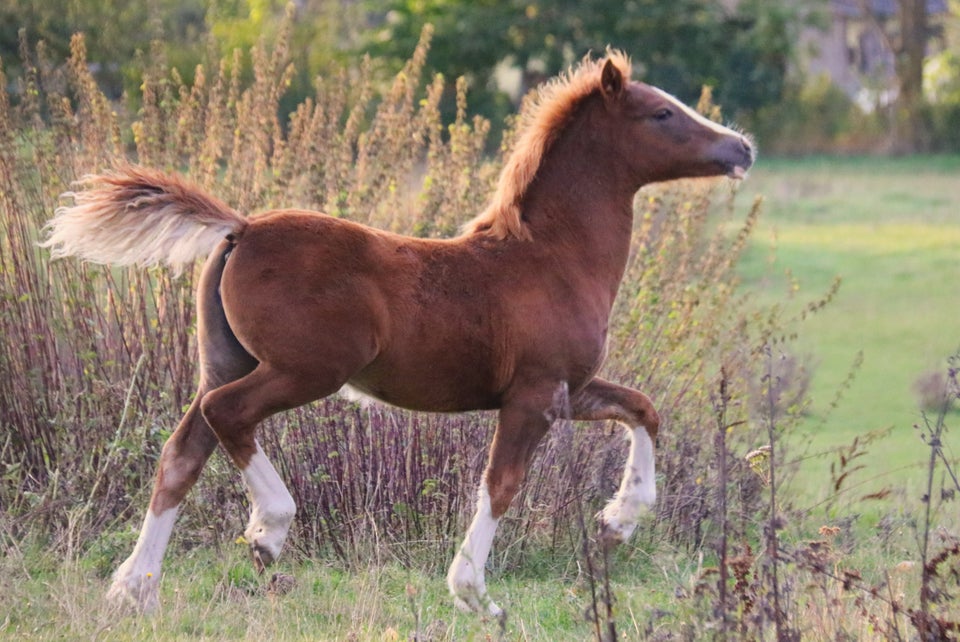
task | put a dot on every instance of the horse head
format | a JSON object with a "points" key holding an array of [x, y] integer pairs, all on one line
{"points": [[659, 138]]}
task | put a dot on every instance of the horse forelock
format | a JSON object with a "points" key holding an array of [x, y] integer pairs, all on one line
{"points": [[542, 118]]}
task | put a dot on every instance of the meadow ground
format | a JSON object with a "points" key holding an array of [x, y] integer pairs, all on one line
{"points": [[890, 229], [660, 594]]}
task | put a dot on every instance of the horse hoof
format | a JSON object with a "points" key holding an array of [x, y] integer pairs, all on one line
{"points": [[612, 532], [481, 604], [281, 584], [266, 543], [261, 558], [137, 595]]}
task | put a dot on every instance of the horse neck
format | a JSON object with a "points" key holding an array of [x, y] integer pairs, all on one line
{"points": [[581, 205]]}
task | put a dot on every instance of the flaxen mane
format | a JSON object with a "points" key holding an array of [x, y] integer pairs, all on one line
{"points": [[543, 118]]}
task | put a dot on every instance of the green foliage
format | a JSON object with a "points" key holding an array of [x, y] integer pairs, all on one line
{"points": [[942, 90], [120, 36], [747, 51], [815, 116], [117, 30], [941, 78], [743, 53]]}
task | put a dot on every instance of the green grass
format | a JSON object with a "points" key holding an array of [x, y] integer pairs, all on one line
{"points": [[206, 596], [660, 593], [890, 229]]}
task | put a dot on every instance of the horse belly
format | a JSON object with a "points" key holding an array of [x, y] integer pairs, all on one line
{"points": [[433, 381], [424, 392]]}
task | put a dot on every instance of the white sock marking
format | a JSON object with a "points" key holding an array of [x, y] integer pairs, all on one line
{"points": [[637, 489], [271, 506], [465, 577], [137, 580]]}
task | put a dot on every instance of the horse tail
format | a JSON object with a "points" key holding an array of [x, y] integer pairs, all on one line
{"points": [[138, 216]]}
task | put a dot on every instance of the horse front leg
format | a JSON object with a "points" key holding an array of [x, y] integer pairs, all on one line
{"points": [[604, 400], [466, 577], [523, 423]]}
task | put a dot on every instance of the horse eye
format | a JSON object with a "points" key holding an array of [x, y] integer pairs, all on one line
{"points": [[662, 114]]}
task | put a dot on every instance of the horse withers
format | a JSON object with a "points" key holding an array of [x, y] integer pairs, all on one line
{"points": [[511, 316]]}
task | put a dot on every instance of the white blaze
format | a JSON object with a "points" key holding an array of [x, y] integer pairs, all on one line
{"points": [[692, 113]]}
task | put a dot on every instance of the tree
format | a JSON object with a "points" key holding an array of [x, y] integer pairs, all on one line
{"points": [[911, 129], [116, 30], [741, 49], [907, 39]]}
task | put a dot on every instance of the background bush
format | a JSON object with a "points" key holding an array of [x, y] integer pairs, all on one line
{"points": [[751, 52]]}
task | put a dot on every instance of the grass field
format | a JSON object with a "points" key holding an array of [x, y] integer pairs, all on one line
{"points": [[210, 595], [890, 229]]}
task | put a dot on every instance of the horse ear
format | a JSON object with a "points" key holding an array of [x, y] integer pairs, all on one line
{"points": [[611, 81]]}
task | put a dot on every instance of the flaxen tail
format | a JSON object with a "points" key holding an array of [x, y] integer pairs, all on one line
{"points": [[139, 216]]}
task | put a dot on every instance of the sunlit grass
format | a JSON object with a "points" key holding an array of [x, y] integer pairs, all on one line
{"points": [[900, 240], [891, 231], [213, 595]]}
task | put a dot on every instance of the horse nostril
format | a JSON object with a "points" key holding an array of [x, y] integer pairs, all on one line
{"points": [[747, 147]]}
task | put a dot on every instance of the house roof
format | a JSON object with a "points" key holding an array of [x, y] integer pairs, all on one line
{"points": [[882, 8]]}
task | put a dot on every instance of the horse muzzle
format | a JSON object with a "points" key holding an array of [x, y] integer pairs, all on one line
{"points": [[735, 155]]}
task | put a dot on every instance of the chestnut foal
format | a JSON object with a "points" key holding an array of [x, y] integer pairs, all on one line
{"points": [[512, 315]]}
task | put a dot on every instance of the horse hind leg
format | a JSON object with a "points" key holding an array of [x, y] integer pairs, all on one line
{"points": [[637, 492], [136, 580], [234, 411]]}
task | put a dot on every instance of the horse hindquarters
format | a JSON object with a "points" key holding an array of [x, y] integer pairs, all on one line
{"points": [[289, 306]]}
